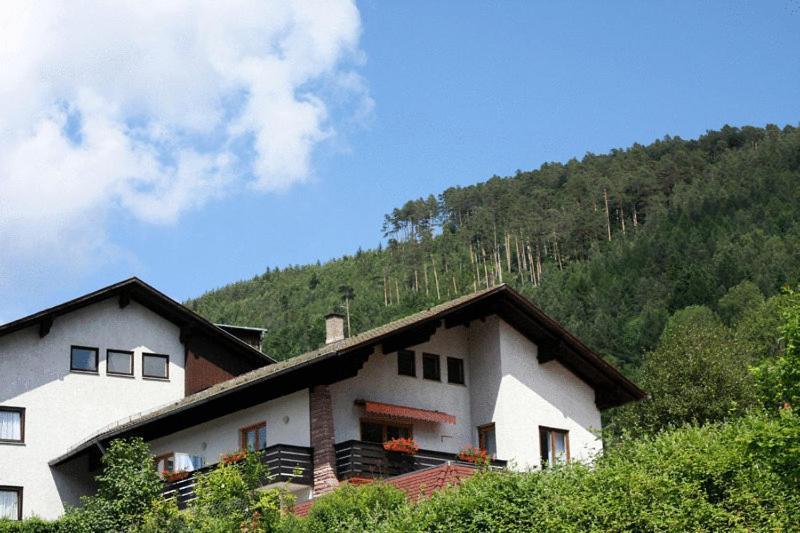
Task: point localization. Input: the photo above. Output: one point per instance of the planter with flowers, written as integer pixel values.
(234, 457)
(172, 477)
(474, 455)
(401, 445)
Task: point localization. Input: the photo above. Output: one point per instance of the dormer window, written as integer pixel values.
(83, 359)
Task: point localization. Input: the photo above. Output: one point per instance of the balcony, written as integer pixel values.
(355, 458)
(286, 464)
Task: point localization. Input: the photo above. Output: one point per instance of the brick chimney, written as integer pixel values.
(323, 440)
(334, 327)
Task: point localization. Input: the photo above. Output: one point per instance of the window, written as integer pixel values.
(254, 437)
(155, 365)
(12, 424)
(83, 359)
(380, 432)
(455, 370)
(119, 362)
(165, 463)
(487, 439)
(554, 446)
(10, 503)
(430, 367)
(406, 364)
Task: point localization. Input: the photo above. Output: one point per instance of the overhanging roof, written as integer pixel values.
(154, 300)
(343, 359)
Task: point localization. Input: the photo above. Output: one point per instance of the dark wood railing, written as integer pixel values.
(368, 459)
(286, 463)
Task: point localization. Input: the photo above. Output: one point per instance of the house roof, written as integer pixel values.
(158, 302)
(339, 360)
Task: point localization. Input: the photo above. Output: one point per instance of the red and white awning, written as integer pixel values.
(407, 413)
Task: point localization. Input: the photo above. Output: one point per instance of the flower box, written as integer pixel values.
(406, 446)
(172, 477)
(234, 457)
(474, 455)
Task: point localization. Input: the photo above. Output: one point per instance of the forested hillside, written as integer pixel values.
(611, 245)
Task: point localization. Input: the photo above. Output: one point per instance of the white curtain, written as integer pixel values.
(183, 463)
(8, 504)
(10, 425)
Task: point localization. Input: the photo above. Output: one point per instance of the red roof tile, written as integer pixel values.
(416, 485)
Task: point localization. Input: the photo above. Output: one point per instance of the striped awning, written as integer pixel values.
(407, 413)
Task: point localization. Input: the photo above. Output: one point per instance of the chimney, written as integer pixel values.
(334, 327)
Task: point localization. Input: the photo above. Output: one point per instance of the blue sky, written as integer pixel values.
(426, 95)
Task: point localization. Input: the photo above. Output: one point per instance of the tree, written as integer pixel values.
(697, 374)
(779, 378)
(126, 488)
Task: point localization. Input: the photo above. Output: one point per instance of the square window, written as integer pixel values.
(254, 437)
(83, 359)
(12, 424)
(155, 365)
(455, 370)
(119, 362)
(10, 503)
(406, 364)
(430, 367)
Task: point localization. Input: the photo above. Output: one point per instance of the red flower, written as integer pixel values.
(234, 457)
(172, 477)
(474, 455)
(401, 445)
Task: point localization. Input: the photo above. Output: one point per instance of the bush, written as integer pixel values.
(352, 508)
(30, 525)
(739, 476)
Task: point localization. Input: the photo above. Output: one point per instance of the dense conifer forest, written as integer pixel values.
(611, 245)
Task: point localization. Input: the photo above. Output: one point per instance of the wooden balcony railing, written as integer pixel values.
(286, 463)
(368, 459)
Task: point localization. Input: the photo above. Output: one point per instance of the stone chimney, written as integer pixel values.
(334, 327)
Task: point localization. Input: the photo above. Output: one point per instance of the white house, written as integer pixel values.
(488, 369)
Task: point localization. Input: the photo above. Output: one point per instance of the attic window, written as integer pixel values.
(83, 359)
(155, 365)
(431, 367)
(405, 363)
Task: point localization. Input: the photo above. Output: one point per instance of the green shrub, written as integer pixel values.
(30, 525)
(352, 508)
(127, 487)
(739, 476)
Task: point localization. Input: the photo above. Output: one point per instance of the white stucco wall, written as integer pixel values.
(287, 421)
(62, 407)
(378, 381)
(532, 395)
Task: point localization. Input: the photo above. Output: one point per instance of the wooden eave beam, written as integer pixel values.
(124, 299)
(45, 324)
(411, 337)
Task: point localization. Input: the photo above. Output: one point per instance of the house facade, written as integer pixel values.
(487, 370)
(68, 371)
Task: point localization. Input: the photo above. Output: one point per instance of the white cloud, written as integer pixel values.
(145, 107)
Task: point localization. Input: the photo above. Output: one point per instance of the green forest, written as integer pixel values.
(611, 245)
